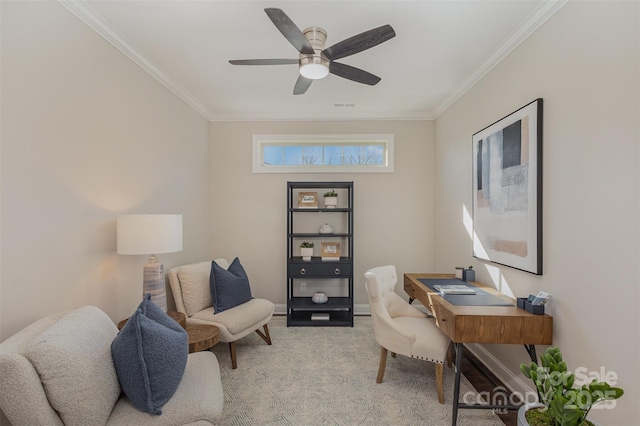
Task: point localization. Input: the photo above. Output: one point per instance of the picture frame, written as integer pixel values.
(330, 249)
(507, 190)
(307, 200)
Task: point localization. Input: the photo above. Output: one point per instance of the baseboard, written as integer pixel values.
(513, 383)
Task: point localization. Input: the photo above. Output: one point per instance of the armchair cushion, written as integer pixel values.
(240, 320)
(73, 360)
(229, 287)
(150, 355)
(194, 282)
(198, 397)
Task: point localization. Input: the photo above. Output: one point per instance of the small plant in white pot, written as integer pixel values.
(331, 199)
(561, 404)
(306, 250)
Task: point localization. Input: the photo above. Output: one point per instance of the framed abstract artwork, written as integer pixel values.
(507, 190)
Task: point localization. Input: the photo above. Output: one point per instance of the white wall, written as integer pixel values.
(584, 62)
(393, 211)
(86, 135)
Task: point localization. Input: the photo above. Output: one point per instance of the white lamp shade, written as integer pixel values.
(149, 233)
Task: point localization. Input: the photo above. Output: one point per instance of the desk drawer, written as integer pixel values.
(446, 320)
(320, 270)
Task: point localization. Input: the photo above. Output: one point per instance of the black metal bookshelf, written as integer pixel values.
(301, 310)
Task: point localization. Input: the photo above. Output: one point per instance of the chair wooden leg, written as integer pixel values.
(266, 337)
(232, 349)
(439, 384)
(383, 363)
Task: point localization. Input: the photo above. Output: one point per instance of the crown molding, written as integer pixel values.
(100, 25)
(538, 17)
(323, 117)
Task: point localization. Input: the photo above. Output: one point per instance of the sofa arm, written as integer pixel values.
(199, 397)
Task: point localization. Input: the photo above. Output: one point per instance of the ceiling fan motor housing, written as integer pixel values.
(314, 66)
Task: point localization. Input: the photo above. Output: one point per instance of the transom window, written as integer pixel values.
(322, 153)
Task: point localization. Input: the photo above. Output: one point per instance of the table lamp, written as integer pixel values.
(150, 234)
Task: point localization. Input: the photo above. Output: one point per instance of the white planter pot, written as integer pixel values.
(306, 253)
(330, 202)
(522, 421)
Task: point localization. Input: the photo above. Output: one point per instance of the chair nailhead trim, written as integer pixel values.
(428, 359)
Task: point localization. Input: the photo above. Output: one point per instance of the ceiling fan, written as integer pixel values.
(315, 61)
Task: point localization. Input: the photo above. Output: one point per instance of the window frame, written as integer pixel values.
(261, 140)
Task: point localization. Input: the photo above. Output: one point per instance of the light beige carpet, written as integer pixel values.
(327, 376)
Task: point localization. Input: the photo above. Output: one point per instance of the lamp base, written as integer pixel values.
(153, 283)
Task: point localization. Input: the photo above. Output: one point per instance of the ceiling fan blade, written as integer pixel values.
(263, 61)
(289, 30)
(360, 42)
(353, 74)
(302, 84)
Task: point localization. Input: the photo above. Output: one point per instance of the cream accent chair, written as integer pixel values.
(191, 292)
(401, 328)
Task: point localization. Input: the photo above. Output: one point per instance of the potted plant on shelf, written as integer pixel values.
(561, 404)
(306, 250)
(331, 199)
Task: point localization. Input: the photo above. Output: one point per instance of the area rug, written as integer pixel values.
(327, 376)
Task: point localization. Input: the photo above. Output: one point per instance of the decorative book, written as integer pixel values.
(454, 289)
(319, 316)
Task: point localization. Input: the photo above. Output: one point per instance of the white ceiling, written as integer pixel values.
(440, 50)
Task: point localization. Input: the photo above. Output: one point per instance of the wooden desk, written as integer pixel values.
(480, 324)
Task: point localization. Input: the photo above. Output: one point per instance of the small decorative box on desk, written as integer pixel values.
(523, 303)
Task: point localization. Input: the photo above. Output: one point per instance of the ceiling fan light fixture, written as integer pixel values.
(314, 71)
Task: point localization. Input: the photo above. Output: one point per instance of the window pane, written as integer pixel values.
(322, 153)
(292, 155)
(311, 155)
(273, 155)
(376, 154)
(332, 154)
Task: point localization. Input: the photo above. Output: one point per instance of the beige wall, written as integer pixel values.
(393, 211)
(584, 63)
(86, 135)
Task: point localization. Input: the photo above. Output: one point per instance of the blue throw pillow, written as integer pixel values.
(150, 355)
(229, 287)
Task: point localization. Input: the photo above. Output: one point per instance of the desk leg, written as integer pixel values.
(456, 387)
(531, 350)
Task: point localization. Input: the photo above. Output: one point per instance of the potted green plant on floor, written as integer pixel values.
(306, 250)
(561, 404)
(331, 199)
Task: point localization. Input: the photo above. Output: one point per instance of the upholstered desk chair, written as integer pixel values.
(401, 328)
(191, 292)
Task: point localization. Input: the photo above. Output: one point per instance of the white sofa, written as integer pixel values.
(59, 370)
